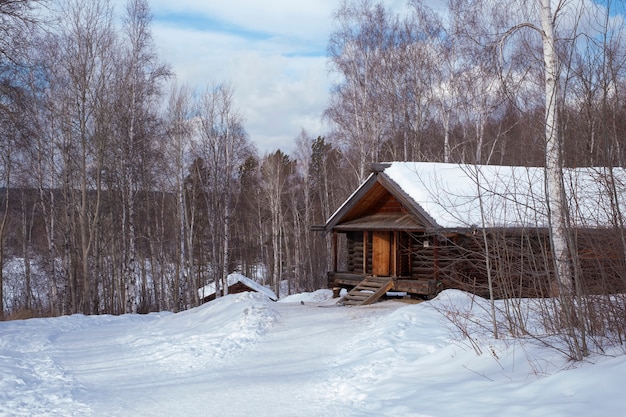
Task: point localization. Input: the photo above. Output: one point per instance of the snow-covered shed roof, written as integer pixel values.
(459, 196)
(234, 278)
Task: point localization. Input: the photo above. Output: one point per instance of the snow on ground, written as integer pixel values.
(244, 355)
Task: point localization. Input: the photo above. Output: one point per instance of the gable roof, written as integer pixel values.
(234, 278)
(440, 195)
(376, 188)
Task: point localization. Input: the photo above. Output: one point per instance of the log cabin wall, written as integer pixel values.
(355, 250)
(520, 263)
(520, 259)
(417, 255)
(602, 260)
(422, 257)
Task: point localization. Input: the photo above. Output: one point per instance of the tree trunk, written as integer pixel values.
(555, 189)
(3, 223)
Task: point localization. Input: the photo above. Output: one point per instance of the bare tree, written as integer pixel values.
(178, 116)
(555, 190)
(6, 148)
(17, 20)
(139, 83)
(223, 147)
(277, 169)
(542, 18)
(356, 49)
(85, 40)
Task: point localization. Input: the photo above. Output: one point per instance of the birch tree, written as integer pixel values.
(178, 116)
(139, 82)
(555, 189)
(16, 20)
(6, 148)
(86, 39)
(223, 146)
(356, 51)
(45, 157)
(276, 169)
(562, 246)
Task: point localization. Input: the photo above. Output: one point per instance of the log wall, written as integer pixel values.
(520, 263)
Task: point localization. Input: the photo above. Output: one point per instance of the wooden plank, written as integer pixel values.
(380, 280)
(334, 252)
(394, 257)
(347, 279)
(360, 298)
(417, 286)
(381, 291)
(368, 291)
(364, 252)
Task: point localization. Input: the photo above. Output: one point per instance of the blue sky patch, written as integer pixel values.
(210, 24)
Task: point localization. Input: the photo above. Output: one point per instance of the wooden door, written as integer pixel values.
(381, 253)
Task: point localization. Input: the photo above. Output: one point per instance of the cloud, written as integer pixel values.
(273, 53)
(278, 90)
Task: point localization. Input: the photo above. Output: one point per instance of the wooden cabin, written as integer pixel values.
(417, 228)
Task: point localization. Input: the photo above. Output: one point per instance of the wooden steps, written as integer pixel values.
(367, 291)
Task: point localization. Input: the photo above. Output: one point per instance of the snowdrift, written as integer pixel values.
(245, 355)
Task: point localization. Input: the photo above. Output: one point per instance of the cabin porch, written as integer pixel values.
(413, 286)
(412, 260)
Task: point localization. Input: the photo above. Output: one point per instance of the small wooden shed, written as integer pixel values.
(237, 283)
(421, 227)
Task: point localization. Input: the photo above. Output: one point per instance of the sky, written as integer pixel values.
(273, 54)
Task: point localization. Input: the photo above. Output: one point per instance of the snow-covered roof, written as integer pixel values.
(453, 194)
(233, 279)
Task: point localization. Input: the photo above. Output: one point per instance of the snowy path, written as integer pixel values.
(272, 359)
(247, 356)
(280, 374)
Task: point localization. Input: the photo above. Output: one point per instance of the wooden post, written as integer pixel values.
(365, 241)
(410, 260)
(394, 251)
(334, 251)
(436, 256)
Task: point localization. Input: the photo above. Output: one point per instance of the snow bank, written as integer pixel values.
(215, 330)
(319, 296)
(244, 355)
(416, 361)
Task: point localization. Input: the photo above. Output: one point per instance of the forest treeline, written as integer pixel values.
(123, 191)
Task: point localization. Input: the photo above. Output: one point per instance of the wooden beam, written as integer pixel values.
(414, 286)
(436, 256)
(365, 242)
(334, 251)
(394, 255)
